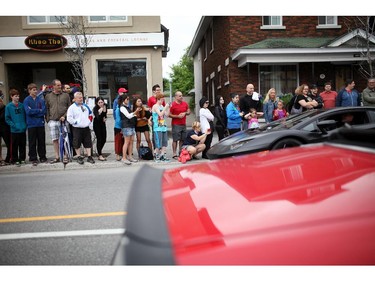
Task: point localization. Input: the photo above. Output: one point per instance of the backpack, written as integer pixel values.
(145, 153)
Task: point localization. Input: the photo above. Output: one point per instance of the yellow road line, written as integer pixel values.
(63, 217)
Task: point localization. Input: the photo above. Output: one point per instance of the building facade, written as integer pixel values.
(118, 51)
(279, 52)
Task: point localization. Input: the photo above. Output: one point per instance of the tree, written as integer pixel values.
(364, 27)
(75, 52)
(182, 75)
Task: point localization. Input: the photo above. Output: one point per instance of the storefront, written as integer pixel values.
(126, 56)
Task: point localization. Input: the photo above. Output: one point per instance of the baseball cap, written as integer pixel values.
(122, 90)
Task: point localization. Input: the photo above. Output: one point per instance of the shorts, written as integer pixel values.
(142, 129)
(161, 139)
(82, 136)
(178, 132)
(54, 128)
(128, 132)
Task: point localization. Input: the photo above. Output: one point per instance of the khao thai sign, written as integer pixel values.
(46, 42)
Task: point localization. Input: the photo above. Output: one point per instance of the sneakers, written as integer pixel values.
(126, 161)
(157, 158)
(23, 162)
(80, 160)
(35, 163)
(164, 158)
(90, 160)
(18, 164)
(133, 160)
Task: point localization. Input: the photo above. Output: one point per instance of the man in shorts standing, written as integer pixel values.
(57, 104)
(178, 112)
(80, 116)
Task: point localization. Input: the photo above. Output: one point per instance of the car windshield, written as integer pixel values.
(289, 122)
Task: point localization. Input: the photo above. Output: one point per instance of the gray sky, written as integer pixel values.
(181, 33)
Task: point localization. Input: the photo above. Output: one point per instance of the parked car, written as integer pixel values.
(308, 205)
(308, 127)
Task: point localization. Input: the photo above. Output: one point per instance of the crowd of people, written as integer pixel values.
(64, 112)
(61, 107)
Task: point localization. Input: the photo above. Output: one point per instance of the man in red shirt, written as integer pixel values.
(152, 100)
(178, 111)
(328, 96)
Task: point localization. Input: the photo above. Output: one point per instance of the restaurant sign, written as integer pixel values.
(46, 42)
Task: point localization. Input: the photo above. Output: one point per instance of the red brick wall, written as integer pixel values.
(234, 32)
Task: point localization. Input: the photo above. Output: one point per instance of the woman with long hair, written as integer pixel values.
(128, 121)
(142, 125)
(221, 117)
(99, 124)
(269, 105)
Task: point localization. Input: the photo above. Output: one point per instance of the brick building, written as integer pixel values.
(276, 51)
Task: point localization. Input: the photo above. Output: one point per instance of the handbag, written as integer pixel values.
(295, 110)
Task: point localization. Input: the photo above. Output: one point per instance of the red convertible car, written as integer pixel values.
(309, 205)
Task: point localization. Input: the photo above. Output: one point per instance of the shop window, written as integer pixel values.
(115, 74)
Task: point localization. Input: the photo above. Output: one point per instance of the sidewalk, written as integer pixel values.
(108, 152)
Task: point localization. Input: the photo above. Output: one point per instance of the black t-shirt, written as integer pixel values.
(299, 98)
(188, 140)
(247, 102)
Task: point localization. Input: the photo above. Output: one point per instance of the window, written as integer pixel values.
(281, 77)
(227, 71)
(114, 74)
(218, 81)
(272, 22)
(210, 39)
(328, 22)
(108, 18)
(46, 19)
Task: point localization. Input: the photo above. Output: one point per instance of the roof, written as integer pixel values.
(296, 42)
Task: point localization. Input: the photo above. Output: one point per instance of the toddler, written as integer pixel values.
(280, 111)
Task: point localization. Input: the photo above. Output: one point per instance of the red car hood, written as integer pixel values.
(306, 205)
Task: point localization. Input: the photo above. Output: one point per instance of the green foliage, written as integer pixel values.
(286, 98)
(182, 75)
(192, 103)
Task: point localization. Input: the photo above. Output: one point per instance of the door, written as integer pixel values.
(343, 72)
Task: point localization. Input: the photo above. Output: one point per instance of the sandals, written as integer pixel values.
(101, 158)
(65, 160)
(175, 157)
(53, 161)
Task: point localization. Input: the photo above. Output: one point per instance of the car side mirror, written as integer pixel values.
(326, 125)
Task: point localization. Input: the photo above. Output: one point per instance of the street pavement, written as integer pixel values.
(108, 152)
